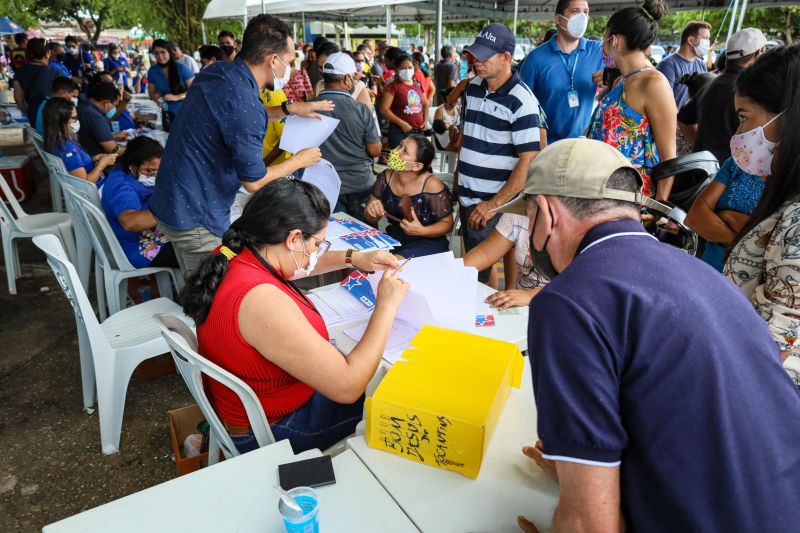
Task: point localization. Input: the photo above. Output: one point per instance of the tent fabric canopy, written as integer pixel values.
(405, 11)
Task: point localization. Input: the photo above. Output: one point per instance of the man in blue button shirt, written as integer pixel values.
(661, 401)
(563, 72)
(215, 145)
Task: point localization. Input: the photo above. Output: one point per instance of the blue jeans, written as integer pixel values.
(319, 423)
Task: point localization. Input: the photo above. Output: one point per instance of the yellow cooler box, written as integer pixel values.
(440, 406)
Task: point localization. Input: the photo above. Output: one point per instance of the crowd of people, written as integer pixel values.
(658, 379)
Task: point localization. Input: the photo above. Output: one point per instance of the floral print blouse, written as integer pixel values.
(765, 264)
(617, 124)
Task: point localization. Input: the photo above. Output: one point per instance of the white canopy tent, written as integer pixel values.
(441, 11)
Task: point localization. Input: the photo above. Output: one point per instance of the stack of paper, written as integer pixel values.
(443, 292)
(338, 307)
(441, 405)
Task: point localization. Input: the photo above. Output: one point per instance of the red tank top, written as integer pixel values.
(221, 342)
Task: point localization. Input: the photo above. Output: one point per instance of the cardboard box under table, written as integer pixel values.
(182, 423)
(441, 405)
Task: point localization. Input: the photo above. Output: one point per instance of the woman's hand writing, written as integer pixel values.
(391, 290)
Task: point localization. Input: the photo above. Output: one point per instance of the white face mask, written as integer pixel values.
(74, 100)
(279, 83)
(299, 272)
(576, 25)
(76, 126)
(702, 49)
(753, 152)
(406, 74)
(144, 179)
(72, 51)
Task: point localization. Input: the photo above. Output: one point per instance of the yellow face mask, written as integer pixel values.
(394, 162)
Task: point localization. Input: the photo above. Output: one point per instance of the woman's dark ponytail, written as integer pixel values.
(276, 209)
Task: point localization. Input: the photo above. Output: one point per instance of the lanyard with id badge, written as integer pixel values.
(572, 95)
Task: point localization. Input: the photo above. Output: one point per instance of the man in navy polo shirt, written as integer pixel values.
(501, 136)
(215, 145)
(662, 404)
(95, 135)
(563, 72)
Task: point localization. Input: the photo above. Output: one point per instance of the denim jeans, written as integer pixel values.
(320, 423)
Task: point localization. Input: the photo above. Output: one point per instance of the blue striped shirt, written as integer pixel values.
(498, 126)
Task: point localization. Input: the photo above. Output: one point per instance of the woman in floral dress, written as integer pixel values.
(638, 115)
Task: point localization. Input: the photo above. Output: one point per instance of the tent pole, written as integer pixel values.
(303, 22)
(516, 10)
(346, 35)
(294, 31)
(244, 19)
(733, 18)
(741, 15)
(203, 30)
(388, 25)
(263, 8)
(439, 30)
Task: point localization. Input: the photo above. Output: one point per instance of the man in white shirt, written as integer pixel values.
(189, 61)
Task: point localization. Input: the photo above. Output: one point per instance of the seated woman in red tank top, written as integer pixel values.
(254, 322)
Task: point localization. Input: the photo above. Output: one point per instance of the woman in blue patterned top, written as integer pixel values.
(723, 209)
(416, 202)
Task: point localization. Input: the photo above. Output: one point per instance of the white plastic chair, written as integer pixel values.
(115, 267)
(182, 343)
(15, 224)
(88, 190)
(50, 164)
(111, 350)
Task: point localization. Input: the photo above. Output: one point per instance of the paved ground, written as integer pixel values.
(51, 466)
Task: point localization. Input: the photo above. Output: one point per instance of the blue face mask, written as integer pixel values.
(111, 112)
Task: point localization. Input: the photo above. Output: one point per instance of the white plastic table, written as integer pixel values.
(509, 484)
(236, 495)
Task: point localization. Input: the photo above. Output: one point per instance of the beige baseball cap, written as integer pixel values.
(578, 168)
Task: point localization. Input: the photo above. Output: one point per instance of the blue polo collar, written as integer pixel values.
(625, 225)
(241, 65)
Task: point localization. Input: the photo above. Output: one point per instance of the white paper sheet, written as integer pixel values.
(337, 306)
(442, 292)
(300, 132)
(325, 177)
(399, 338)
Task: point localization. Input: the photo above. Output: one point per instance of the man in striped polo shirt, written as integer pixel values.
(501, 136)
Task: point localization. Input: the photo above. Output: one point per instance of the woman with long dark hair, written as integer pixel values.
(168, 80)
(637, 116)
(61, 125)
(764, 259)
(126, 202)
(254, 322)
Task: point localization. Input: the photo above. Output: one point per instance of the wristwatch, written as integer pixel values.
(285, 107)
(348, 257)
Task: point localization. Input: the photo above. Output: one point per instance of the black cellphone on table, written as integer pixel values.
(313, 472)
